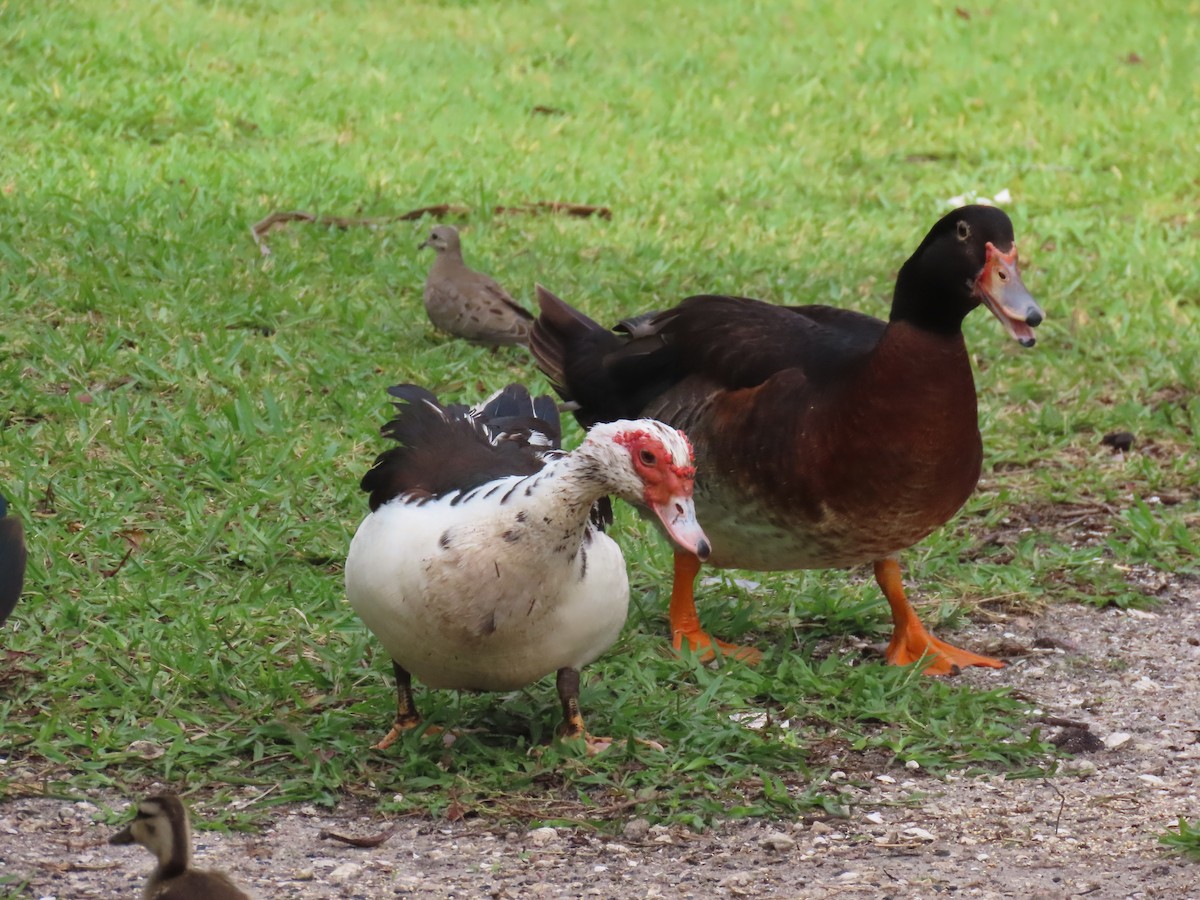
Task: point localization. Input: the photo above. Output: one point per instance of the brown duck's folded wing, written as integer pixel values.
(714, 342)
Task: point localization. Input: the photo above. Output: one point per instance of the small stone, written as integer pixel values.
(819, 828)
(918, 834)
(885, 779)
(736, 880)
(778, 842)
(1119, 441)
(1152, 780)
(1081, 767)
(848, 877)
(837, 775)
(1117, 739)
(540, 837)
(912, 764)
(146, 749)
(636, 829)
(345, 872)
(874, 818)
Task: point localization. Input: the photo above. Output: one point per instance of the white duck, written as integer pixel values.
(482, 566)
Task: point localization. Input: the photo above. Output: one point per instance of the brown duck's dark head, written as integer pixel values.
(969, 257)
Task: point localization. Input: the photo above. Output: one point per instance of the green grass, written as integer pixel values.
(1185, 840)
(163, 381)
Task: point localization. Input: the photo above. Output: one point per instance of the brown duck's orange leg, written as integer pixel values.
(910, 641)
(685, 623)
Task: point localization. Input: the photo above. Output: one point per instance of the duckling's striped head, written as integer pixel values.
(161, 826)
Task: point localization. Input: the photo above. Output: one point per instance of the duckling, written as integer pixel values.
(12, 560)
(161, 826)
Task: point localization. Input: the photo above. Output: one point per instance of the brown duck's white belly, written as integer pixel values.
(475, 602)
(747, 532)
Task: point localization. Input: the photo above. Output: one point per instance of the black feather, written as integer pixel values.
(445, 449)
(12, 560)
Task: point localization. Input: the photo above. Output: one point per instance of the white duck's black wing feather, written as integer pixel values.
(447, 449)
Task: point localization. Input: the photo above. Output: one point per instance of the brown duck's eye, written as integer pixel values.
(964, 230)
(647, 458)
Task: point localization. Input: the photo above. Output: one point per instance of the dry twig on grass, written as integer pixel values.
(278, 219)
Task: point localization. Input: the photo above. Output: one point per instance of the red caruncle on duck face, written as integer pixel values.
(668, 483)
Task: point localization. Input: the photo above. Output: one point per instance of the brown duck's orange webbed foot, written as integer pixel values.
(702, 643)
(685, 623)
(942, 658)
(911, 642)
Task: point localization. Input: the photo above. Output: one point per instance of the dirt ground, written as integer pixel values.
(1129, 680)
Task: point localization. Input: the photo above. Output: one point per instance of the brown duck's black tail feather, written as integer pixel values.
(574, 352)
(557, 333)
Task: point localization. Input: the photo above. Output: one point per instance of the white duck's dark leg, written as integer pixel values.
(568, 692)
(572, 727)
(406, 710)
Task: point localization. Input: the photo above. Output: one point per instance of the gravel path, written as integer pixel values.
(1130, 681)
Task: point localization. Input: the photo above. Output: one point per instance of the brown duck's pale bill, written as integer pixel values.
(678, 517)
(1000, 288)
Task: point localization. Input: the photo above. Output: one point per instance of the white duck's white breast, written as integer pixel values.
(482, 595)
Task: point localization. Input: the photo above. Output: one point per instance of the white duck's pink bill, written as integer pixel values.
(678, 517)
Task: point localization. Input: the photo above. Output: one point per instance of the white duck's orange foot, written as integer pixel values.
(402, 725)
(594, 745)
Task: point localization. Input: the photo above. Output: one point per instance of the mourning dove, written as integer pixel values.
(466, 303)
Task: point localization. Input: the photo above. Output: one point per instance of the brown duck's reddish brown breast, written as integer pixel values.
(794, 477)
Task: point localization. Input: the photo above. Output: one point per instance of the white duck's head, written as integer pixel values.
(650, 464)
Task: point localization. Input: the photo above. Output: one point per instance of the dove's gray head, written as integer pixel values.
(443, 238)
